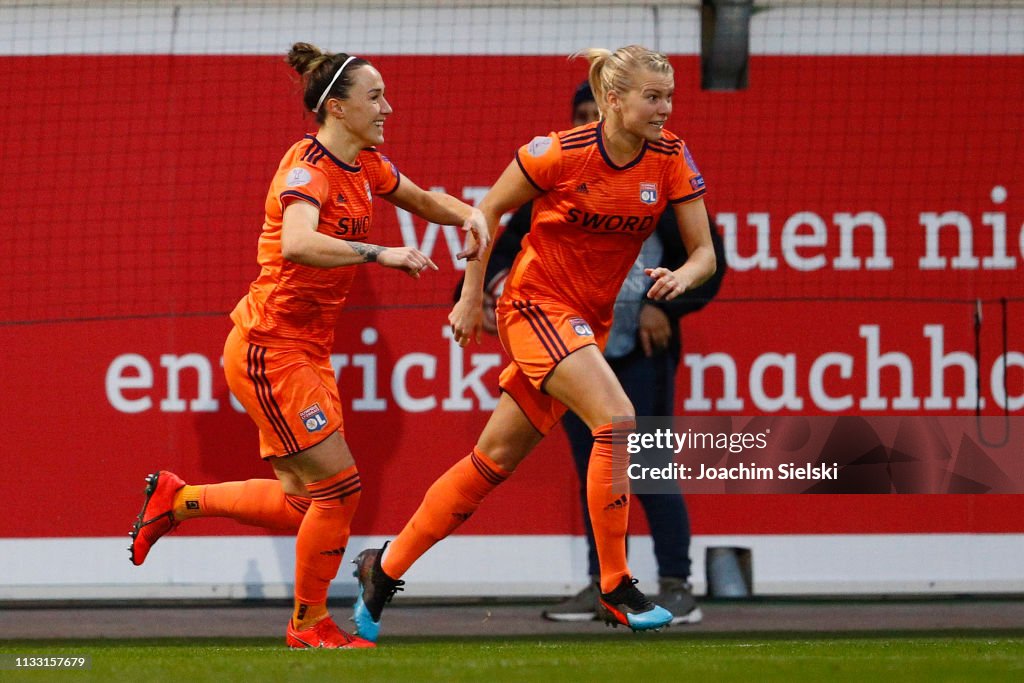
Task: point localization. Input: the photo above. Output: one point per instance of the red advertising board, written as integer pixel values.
(863, 218)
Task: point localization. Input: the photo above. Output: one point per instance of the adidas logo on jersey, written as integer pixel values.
(341, 198)
(582, 188)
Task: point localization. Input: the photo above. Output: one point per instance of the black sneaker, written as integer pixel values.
(375, 590)
(626, 605)
(676, 595)
(580, 607)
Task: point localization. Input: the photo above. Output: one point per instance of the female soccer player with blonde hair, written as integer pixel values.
(319, 213)
(598, 190)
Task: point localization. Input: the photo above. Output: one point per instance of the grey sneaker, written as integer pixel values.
(580, 607)
(676, 595)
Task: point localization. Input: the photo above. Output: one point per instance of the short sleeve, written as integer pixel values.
(303, 182)
(685, 181)
(385, 175)
(540, 160)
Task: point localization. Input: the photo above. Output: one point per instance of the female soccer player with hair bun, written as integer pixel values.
(598, 190)
(319, 218)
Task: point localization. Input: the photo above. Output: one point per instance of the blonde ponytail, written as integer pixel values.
(613, 70)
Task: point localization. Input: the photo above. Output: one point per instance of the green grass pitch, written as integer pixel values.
(616, 657)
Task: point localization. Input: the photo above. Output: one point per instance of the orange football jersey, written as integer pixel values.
(592, 216)
(295, 305)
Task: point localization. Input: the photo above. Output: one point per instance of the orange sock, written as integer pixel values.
(449, 502)
(321, 542)
(259, 502)
(608, 504)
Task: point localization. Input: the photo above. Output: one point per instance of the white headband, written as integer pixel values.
(331, 84)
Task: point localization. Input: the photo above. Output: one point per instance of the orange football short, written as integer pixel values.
(538, 335)
(290, 394)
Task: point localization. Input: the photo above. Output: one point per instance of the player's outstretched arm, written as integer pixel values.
(511, 190)
(301, 243)
(444, 209)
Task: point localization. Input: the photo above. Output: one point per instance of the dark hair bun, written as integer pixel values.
(304, 57)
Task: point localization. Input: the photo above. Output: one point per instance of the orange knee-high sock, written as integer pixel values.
(321, 542)
(259, 502)
(608, 503)
(449, 502)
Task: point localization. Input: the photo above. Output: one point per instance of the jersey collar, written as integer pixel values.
(347, 167)
(608, 160)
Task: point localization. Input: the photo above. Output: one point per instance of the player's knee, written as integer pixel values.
(619, 413)
(624, 412)
(505, 455)
(626, 424)
(293, 486)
